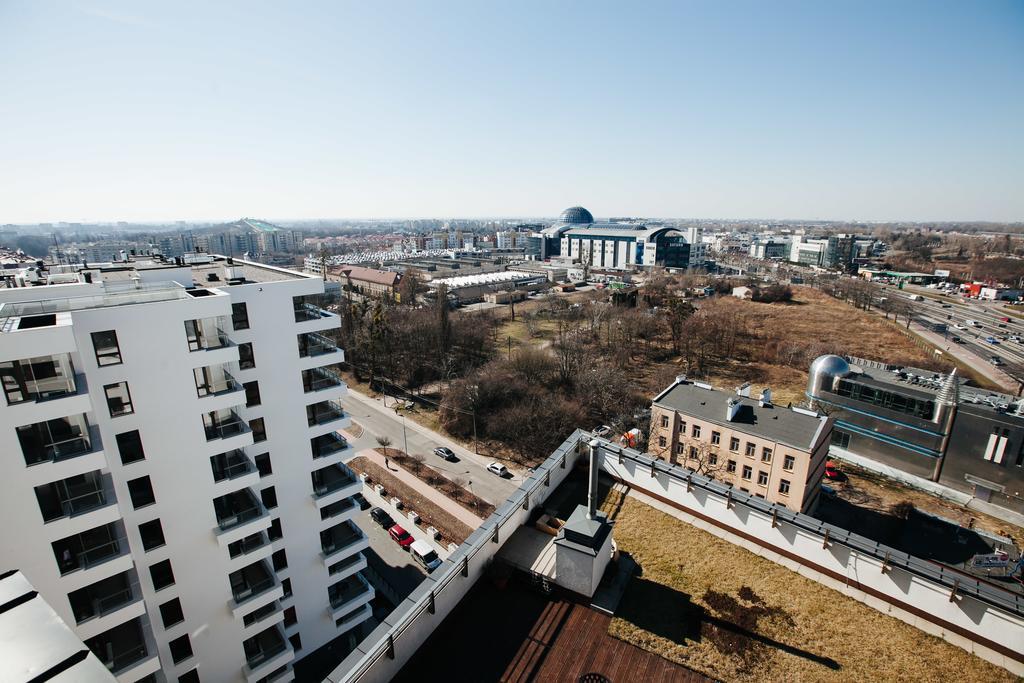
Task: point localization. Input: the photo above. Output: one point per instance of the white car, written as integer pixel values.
(498, 468)
(960, 327)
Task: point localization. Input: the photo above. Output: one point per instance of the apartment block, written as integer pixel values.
(773, 452)
(173, 480)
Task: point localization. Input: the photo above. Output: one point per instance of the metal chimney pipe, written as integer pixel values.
(592, 487)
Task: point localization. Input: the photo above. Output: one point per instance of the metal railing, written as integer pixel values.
(328, 444)
(125, 658)
(226, 429)
(104, 605)
(209, 340)
(355, 586)
(93, 556)
(235, 464)
(78, 505)
(59, 450)
(323, 412)
(237, 517)
(335, 509)
(247, 545)
(252, 590)
(266, 654)
(316, 379)
(313, 344)
(340, 540)
(338, 477)
(347, 563)
(260, 614)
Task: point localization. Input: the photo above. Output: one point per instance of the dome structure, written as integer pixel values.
(576, 215)
(824, 371)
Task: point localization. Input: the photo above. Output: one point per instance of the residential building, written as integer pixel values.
(174, 485)
(367, 281)
(925, 423)
(769, 451)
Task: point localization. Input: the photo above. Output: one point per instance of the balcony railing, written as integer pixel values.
(347, 590)
(338, 538)
(307, 311)
(231, 465)
(247, 545)
(75, 505)
(312, 344)
(219, 386)
(263, 647)
(236, 508)
(331, 479)
(316, 379)
(102, 605)
(347, 563)
(226, 429)
(260, 614)
(336, 509)
(123, 658)
(58, 450)
(92, 556)
(323, 412)
(208, 340)
(120, 647)
(328, 444)
(251, 590)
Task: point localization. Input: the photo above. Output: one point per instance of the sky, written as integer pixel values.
(805, 110)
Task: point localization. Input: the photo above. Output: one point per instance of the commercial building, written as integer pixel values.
(367, 281)
(769, 249)
(927, 424)
(832, 252)
(173, 479)
(619, 245)
(766, 450)
(466, 289)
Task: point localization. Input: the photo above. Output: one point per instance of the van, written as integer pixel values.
(425, 556)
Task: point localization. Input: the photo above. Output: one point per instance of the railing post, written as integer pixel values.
(775, 518)
(430, 603)
(824, 543)
(465, 565)
(728, 500)
(494, 537)
(526, 501)
(561, 461)
(952, 593)
(885, 564)
(391, 646)
(547, 477)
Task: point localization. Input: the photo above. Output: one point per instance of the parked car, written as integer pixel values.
(382, 517)
(425, 556)
(991, 340)
(832, 472)
(947, 305)
(960, 327)
(602, 431)
(361, 501)
(1014, 338)
(956, 340)
(445, 453)
(498, 468)
(995, 360)
(401, 536)
(1004, 320)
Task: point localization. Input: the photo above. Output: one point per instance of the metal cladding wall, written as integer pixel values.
(979, 617)
(965, 461)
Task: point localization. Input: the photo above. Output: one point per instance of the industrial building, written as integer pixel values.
(367, 281)
(466, 289)
(174, 485)
(620, 246)
(772, 452)
(930, 425)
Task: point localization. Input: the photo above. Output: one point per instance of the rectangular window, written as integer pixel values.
(679, 449)
(252, 394)
(296, 642)
(275, 532)
(269, 497)
(840, 438)
(788, 462)
(129, 445)
(280, 560)
(263, 464)
(189, 677)
(108, 352)
(245, 357)
(259, 430)
(712, 458)
(693, 453)
(751, 448)
(748, 471)
(239, 316)
(762, 478)
(682, 428)
(290, 618)
(784, 487)
(286, 585)
(734, 444)
(696, 431)
(662, 442)
(171, 613)
(664, 421)
(181, 648)
(716, 438)
(766, 455)
(141, 492)
(730, 466)
(162, 575)
(119, 400)
(152, 534)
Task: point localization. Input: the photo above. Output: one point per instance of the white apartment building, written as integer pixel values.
(172, 475)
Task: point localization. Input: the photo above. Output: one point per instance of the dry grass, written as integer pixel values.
(436, 480)
(698, 592)
(430, 514)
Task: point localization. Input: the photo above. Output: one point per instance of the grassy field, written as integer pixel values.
(719, 609)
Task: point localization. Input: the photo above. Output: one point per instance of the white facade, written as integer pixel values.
(91, 516)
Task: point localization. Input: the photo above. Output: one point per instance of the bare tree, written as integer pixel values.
(384, 441)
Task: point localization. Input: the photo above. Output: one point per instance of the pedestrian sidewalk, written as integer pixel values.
(444, 502)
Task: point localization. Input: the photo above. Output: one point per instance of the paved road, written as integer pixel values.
(388, 559)
(377, 420)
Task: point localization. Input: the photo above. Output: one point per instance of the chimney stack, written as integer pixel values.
(766, 397)
(731, 408)
(592, 477)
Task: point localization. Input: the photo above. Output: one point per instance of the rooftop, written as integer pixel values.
(380, 277)
(793, 427)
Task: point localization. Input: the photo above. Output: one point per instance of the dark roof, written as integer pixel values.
(379, 277)
(772, 422)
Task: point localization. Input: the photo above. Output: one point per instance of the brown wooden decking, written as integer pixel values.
(570, 640)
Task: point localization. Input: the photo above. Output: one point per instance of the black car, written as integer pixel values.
(382, 518)
(956, 340)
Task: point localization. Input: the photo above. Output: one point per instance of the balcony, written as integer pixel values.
(252, 587)
(123, 648)
(309, 317)
(341, 511)
(317, 380)
(332, 483)
(347, 567)
(249, 549)
(349, 594)
(327, 444)
(209, 343)
(83, 501)
(270, 613)
(324, 412)
(55, 440)
(99, 547)
(43, 388)
(265, 653)
(232, 465)
(226, 431)
(340, 540)
(239, 515)
(94, 606)
(312, 345)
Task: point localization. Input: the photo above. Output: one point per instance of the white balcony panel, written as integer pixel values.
(96, 626)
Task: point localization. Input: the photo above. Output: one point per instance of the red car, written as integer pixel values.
(831, 472)
(401, 536)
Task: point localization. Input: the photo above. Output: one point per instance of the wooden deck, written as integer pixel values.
(570, 640)
(516, 634)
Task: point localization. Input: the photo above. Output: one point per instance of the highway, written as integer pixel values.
(377, 420)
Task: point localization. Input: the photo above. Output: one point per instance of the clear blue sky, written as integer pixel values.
(179, 110)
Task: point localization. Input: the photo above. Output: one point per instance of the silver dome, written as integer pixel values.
(824, 371)
(576, 214)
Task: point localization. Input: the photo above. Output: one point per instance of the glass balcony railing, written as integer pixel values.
(263, 647)
(324, 412)
(55, 440)
(312, 344)
(247, 545)
(251, 581)
(260, 614)
(317, 379)
(120, 647)
(71, 559)
(328, 444)
(237, 508)
(347, 590)
(336, 509)
(63, 499)
(216, 387)
(330, 479)
(343, 565)
(226, 428)
(231, 465)
(339, 537)
(87, 604)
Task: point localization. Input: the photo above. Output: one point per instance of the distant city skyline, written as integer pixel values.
(208, 112)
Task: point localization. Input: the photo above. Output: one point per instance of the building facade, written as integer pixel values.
(766, 450)
(174, 485)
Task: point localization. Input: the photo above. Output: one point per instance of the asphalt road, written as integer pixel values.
(388, 559)
(377, 420)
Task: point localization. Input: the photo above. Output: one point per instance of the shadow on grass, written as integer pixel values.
(670, 614)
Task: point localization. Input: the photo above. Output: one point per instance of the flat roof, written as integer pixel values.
(772, 422)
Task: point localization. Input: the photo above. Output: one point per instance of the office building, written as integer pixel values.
(173, 478)
(766, 450)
